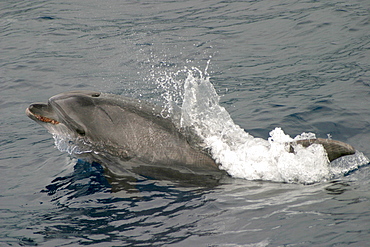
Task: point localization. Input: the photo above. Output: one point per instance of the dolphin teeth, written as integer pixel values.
(46, 119)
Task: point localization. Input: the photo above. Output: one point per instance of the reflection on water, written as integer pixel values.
(145, 211)
(90, 213)
(86, 179)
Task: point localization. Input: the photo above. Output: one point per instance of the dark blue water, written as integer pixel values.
(298, 65)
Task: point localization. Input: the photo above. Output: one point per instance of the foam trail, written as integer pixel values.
(239, 153)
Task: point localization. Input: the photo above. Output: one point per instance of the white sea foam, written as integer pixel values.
(71, 145)
(67, 141)
(244, 156)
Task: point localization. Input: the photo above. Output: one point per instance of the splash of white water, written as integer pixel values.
(72, 146)
(66, 141)
(239, 153)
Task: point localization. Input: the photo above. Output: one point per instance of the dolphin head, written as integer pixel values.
(119, 125)
(64, 113)
(87, 121)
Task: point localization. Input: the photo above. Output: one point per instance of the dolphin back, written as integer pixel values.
(334, 149)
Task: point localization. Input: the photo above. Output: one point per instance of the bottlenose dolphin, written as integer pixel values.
(130, 129)
(136, 131)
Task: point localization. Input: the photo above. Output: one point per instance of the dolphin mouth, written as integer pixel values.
(56, 111)
(42, 113)
(49, 115)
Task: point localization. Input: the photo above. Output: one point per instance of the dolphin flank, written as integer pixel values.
(136, 131)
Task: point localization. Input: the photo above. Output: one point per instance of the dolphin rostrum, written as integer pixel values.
(136, 131)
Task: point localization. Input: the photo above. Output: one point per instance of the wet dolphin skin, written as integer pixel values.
(136, 131)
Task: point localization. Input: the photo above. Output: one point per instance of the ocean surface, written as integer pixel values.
(270, 68)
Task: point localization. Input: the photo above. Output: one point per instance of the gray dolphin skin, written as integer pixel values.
(130, 129)
(135, 131)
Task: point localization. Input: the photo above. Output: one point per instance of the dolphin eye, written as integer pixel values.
(80, 132)
(95, 95)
